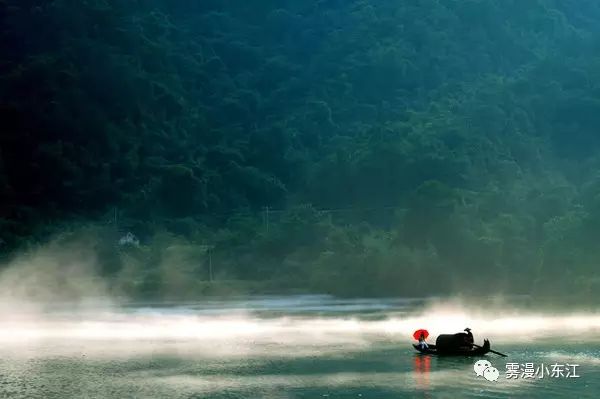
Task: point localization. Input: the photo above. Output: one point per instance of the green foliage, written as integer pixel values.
(403, 147)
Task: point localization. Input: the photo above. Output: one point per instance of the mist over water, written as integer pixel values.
(274, 325)
(278, 347)
(63, 333)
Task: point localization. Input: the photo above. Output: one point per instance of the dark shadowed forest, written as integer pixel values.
(359, 148)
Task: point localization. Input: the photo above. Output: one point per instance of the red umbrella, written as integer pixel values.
(417, 334)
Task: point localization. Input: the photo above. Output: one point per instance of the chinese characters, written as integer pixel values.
(532, 371)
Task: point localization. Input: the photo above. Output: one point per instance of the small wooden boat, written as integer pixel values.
(456, 351)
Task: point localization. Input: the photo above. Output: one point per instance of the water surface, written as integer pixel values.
(287, 347)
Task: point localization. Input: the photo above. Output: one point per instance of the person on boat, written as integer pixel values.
(422, 343)
(468, 339)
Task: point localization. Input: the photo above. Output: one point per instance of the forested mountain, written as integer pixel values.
(401, 147)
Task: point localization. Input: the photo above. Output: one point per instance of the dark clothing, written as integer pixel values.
(470, 336)
(469, 340)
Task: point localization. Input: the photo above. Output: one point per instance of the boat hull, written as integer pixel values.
(433, 350)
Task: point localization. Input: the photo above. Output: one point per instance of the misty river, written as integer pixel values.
(291, 347)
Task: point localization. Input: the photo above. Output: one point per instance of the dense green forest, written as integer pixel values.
(352, 147)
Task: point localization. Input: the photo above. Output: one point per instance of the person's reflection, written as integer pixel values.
(422, 367)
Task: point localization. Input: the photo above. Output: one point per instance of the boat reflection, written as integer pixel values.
(422, 368)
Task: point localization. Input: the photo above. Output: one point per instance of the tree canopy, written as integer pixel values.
(408, 147)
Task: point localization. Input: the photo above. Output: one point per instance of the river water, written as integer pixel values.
(292, 347)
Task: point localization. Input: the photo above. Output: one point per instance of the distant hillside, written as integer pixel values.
(402, 147)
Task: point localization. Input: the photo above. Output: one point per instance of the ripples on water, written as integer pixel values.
(305, 346)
